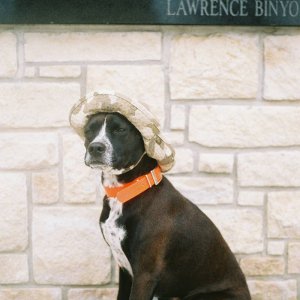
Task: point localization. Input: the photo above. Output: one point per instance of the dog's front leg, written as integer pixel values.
(125, 283)
(143, 287)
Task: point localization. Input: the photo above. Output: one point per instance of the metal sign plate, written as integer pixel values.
(153, 12)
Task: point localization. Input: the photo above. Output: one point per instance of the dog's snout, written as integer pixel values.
(96, 148)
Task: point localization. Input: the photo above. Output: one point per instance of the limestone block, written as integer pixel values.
(92, 46)
(205, 190)
(177, 117)
(276, 247)
(214, 66)
(251, 198)
(45, 187)
(93, 294)
(244, 126)
(272, 168)
(60, 71)
(30, 72)
(283, 215)
(79, 180)
(275, 290)
(68, 247)
(14, 268)
(262, 265)
(8, 54)
(28, 150)
(143, 83)
(30, 294)
(13, 212)
(37, 104)
(215, 163)
(184, 162)
(294, 258)
(241, 228)
(282, 65)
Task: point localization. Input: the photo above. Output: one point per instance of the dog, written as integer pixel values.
(165, 245)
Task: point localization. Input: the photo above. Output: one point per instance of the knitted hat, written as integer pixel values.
(135, 112)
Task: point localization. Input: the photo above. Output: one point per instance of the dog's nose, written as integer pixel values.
(96, 148)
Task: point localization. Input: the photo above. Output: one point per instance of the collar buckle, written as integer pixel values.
(156, 181)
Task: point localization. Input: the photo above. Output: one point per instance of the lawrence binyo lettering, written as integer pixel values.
(234, 8)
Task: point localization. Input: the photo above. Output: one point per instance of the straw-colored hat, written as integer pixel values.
(135, 112)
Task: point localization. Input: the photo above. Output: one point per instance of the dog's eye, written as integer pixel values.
(87, 131)
(88, 134)
(119, 130)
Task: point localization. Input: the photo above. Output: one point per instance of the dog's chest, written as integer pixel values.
(114, 234)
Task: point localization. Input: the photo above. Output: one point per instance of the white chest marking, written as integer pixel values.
(114, 234)
(110, 180)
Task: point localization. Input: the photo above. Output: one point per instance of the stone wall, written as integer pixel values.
(228, 99)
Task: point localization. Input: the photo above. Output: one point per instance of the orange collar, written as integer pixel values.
(132, 189)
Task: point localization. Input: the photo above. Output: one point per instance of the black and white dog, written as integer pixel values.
(165, 246)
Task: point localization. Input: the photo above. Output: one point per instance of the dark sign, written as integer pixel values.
(154, 12)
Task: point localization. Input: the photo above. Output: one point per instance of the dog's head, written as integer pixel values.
(112, 143)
